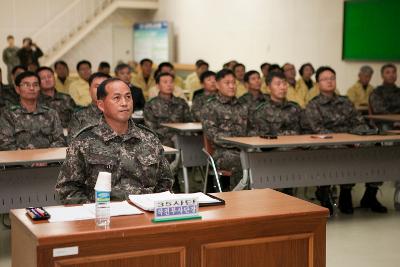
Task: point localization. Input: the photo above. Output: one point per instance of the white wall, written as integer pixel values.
(255, 31)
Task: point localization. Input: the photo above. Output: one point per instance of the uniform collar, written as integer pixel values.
(277, 104)
(21, 109)
(172, 100)
(104, 131)
(57, 95)
(226, 99)
(323, 99)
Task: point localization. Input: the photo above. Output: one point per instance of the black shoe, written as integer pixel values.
(288, 191)
(345, 201)
(328, 205)
(323, 195)
(370, 201)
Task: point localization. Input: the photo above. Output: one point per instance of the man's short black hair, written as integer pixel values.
(27, 39)
(275, 74)
(101, 90)
(97, 75)
(14, 70)
(162, 74)
(104, 64)
(387, 66)
(200, 63)
(24, 75)
(83, 62)
(301, 70)
(321, 70)
(122, 66)
(44, 68)
(61, 62)
(275, 67)
(165, 64)
(247, 75)
(145, 60)
(237, 66)
(10, 37)
(206, 74)
(224, 72)
(264, 64)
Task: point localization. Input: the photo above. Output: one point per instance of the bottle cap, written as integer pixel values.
(103, 182)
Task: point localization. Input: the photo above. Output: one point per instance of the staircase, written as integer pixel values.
(78, 19)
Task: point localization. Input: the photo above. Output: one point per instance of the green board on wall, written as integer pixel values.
(371, 30)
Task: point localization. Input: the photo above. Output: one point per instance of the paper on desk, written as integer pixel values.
(63, 214)
(117, 208)
(146, 201)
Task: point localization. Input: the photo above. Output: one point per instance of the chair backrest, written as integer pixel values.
(207, 145)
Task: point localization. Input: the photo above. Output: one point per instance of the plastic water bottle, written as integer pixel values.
(102, 209)
(103, 192)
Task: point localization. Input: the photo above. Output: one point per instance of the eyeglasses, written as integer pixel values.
(28, 85)
(328, 79)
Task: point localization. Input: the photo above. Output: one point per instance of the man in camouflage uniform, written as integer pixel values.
(62, 103)
(29, 125)
(165, 108)
(9, 96)
(330, 113)
(276, 115)
(89, 115)
(200, 97)
(254, 97)
(385, 99)
(131, 153)
(224, 116)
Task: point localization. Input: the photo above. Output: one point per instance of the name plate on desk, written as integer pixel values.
(176, 209)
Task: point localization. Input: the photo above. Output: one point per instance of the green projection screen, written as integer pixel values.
(371, 30)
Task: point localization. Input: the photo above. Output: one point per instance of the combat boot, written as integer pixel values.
(370, 201)
(345, 201)
(323, 195)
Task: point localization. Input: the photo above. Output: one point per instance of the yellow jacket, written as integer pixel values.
(63, 87)
(192, 82)
(139, 81)
(79, 91)
(265, 88)
(178, 92)
(358, 95)
(240, 89)
(178, 81)
(296, 94)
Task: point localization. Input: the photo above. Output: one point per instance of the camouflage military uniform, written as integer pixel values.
(136, 162)
(335, 114)
(62, 103)
(159, 110)
(20, 129)
(199, 100)
(87, 116)
(273, 118)
(8, 96)
(385, 100)
(252, 103)
(225, 117)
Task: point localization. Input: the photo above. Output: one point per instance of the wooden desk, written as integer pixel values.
(256, 228)
(190, 144)
(298, 164)
(33, 186)
(387, 118)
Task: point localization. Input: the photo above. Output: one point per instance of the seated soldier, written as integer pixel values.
(89, 115)
(62, 103)
(124, 72)
(79, 89)
(8, 94)
(360, 91)
(254, 96)
(144, 79)
(131, 153)
(239, 70)
(201, 96)
(224, 116)
(165, 108)
(331, 113)
(29, 125)
(167, 67)
(63, 79)
(192, 81)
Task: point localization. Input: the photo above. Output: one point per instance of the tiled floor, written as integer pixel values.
(363, 239)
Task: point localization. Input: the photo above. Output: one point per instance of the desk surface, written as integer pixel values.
(184, 127)
(389, 117)
(48, 155)
(308, 140)
(249, 205)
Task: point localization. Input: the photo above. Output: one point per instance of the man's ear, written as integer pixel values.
(100, 105)
(18, 90)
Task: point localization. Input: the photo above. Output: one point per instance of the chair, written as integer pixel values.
(208, 150)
